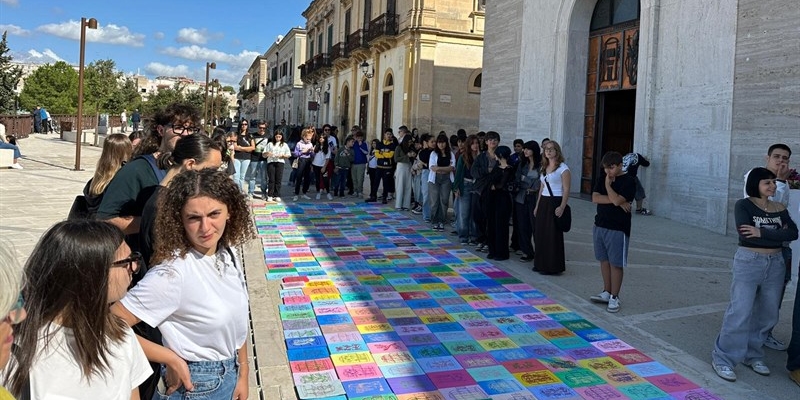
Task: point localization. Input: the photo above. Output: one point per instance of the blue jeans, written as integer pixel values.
(755, 295)
(17, 154)
(416, 187)
(254, 172)
(466, 224)
(426, 203)
(240, 176)
(341, 180)
(212, 380)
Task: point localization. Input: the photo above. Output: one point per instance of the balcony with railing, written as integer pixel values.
(321, 61)
(354, 42)
(337, 51)
(384, 25)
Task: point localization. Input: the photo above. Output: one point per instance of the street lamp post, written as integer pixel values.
(209, 66)
(214, 85)
(91, 24)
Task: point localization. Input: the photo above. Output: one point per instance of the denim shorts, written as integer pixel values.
(213, 380)
(610, 245)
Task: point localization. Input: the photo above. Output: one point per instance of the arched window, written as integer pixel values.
(612, 12)
(365, 85)
(389, 81)
(475, 81)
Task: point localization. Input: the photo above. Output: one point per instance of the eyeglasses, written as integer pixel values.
(184, 130)
(17, 313)
(262, 127)
(129, 262)
(549, 149)
(492, 140)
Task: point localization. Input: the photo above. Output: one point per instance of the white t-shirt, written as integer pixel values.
(320, 157)
(280, 152)
(56, 376)
(433, 161)
(200, 310)
(554, 178)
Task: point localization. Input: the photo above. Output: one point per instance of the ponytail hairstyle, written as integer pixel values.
(117, 150)
(197, 147)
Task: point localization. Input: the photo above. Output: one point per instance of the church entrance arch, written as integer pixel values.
(611, 78)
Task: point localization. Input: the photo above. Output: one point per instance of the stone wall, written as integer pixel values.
(766, 95)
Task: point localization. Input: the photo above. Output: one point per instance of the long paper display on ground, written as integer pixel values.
(377, 306)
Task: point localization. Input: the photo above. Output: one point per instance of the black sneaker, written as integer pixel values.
(384, 201)
(526, 258)
(371, 200)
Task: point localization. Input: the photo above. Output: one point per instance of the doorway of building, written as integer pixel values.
(386, 114)
(611, 77)
(362, 112)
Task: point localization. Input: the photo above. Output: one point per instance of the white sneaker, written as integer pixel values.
(294, 198)
(330, 197)
(318, 196)
(305, 197)
(725, 372)
(775, 344)
(759, 367)
(613, 304)
(601, 298)
(16, 166)
(277, 199)
(269, 199)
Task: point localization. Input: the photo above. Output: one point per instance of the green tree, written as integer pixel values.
(124, 97)
(161, 99)
(102, 83)
(9, 78)
(55, 87)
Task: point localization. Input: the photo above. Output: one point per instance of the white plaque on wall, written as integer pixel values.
(444, 98)
(425, 97)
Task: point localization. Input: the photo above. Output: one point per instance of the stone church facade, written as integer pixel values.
(700, 87)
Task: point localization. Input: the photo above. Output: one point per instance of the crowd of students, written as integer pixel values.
(90, 323)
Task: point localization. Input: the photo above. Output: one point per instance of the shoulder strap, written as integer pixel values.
(548, 186)
(160, 173)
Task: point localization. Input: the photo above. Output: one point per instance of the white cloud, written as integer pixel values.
(45, 56)
(226, 77)
(158, 35)
(52, 54)
(14, 30)
(12, 3)
(192, 36)
(197, 53)
(112, 34)
(159, 69)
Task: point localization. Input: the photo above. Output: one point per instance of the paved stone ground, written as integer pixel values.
(675, 292)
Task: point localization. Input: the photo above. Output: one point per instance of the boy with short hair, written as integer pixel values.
(613, 195)
(343, 162)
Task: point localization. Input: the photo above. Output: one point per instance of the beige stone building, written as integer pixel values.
(284, 89)
(386, 63)
(701, 88)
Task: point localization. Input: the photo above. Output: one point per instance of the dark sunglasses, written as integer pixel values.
(129, 262)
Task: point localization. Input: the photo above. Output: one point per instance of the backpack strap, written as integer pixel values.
(160, 173)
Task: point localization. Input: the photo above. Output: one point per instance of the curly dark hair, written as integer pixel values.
(170, 235)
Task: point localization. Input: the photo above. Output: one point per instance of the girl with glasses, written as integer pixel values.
(196, 294)
(547, 236)
(70, 345)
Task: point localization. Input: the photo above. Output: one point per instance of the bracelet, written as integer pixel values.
(781, 180)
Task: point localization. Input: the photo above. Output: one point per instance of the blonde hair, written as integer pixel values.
(559, 155)
(11, 279)
(117, 150)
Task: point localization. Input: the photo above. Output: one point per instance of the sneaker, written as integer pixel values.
(759, 367)
(519, 253)
(305, 197)
(269, 199)
(329, 196)
(417, 211)
(526, 258)
(603, 297)
(644, 211)
(277, 199)
(385, 201)
(389, 197)
(294, 198)
(428, 220)
(255, 196)
(16, 166)
(613, 304)
(774, 343)
(464, 242)
(472, 243)
(725, 372)
(371, 200)
(318, 196)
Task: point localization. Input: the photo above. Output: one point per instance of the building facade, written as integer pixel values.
(283, 89)
(386, 63)
(251, 98)
(701, 88)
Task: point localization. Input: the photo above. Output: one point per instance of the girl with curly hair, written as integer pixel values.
(70, 345)
(196, 293)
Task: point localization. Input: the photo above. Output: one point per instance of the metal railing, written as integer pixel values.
(354, 41)
(385, 25)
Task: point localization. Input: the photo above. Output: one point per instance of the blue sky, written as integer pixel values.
(167, 37)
